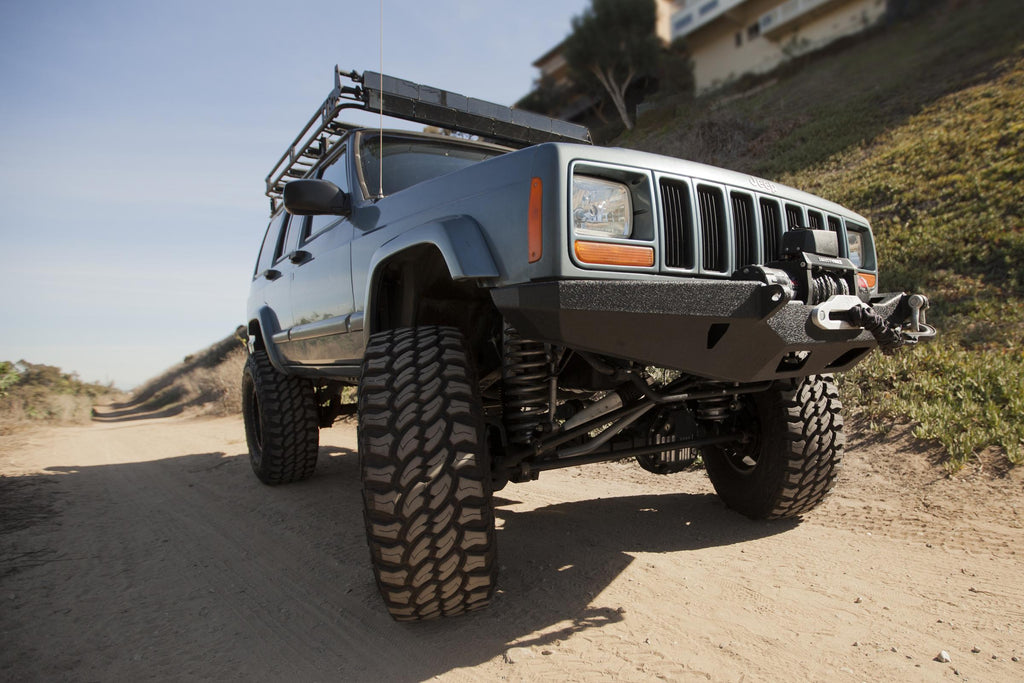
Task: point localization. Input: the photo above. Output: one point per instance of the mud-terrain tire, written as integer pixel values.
(426, 479)
(792, 462)
(281, 422)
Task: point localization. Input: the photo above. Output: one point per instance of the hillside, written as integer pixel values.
(918, 126)
(204, 383)
(33, 394)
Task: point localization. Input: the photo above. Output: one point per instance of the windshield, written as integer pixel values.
(408, 161)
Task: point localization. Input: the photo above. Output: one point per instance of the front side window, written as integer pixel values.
(337, 173)
(408, 161)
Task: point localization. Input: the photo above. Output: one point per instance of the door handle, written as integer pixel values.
(271, 274)
(299, 256)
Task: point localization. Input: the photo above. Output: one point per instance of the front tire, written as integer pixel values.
(281, 425)
(792, 462)
(426, 478)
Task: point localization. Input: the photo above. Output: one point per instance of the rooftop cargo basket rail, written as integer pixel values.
(377, 93)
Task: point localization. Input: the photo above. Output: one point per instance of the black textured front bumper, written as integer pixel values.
(720, 329)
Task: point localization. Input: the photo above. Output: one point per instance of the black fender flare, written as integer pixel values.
(458, 239)
(268, 327)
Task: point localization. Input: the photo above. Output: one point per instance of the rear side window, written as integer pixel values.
(287, 237)
(272, 241)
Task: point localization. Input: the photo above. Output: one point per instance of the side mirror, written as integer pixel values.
(316, 198)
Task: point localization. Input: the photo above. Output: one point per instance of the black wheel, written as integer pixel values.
(426, 478)
(791, 463)
(281, 425)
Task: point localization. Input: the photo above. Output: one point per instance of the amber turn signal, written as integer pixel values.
(535, 232)
(600, 253)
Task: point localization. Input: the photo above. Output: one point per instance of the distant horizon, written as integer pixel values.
(140, 134)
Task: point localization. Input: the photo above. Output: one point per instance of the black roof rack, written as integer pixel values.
(410, 101)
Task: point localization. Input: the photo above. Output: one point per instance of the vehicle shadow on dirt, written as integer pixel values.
(189, 531)
(557, 560)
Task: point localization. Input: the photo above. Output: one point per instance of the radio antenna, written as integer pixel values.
(380, 164)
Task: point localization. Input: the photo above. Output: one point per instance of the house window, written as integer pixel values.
(739, 38)
(753, 31)
(709, 7)
(682, 23)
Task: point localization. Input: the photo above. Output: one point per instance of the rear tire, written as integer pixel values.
(281, 422)
(792, 463)
(426, 477)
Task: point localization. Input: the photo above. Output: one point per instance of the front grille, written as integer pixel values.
(712, 228)
(771, 229)
(744, 229)
(675, 198)
(708, 234)
(794, 217)
(815, 221)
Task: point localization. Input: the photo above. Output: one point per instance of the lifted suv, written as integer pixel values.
(535, 302)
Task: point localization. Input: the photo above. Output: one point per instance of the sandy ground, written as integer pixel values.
(146, 549)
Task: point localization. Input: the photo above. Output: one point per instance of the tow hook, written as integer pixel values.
(849, 313)
(918, 304)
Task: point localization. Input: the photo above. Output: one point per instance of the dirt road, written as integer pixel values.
(138, 550)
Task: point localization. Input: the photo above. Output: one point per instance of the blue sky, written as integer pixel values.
(135, 137)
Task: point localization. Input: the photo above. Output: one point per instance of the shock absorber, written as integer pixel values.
(526, 377)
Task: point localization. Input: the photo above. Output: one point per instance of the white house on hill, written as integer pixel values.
(729, 38)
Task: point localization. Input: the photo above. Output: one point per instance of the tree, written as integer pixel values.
(612, 44)
(675, 69)
(545, 98)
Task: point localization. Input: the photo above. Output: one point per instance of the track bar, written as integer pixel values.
(605, 456)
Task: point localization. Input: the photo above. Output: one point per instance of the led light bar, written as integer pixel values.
(434, 107)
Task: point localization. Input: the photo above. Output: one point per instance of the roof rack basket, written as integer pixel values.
(410, 101)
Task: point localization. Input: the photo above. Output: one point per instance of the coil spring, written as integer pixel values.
(525, 377)
(715, 409)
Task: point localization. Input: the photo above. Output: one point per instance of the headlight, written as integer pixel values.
(601, 208)
(855, 242)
